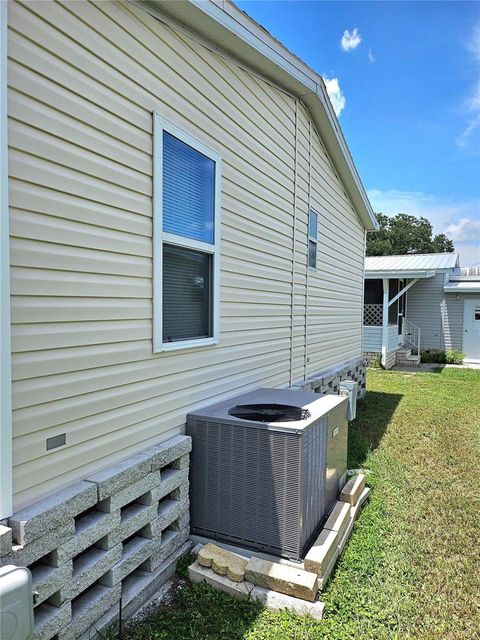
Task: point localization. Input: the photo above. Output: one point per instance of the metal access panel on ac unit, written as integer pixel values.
(260, 485)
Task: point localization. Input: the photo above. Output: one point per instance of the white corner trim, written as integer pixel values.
(6, 494)
(161, 124)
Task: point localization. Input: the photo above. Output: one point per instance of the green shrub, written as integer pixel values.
(433, 356)
(454, 357)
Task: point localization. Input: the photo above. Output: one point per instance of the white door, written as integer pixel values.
(471, 330)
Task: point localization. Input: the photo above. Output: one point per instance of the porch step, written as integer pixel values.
(405, 357)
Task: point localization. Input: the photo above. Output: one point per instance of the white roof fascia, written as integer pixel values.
(221, 23)
(372, 275)
(462, 287)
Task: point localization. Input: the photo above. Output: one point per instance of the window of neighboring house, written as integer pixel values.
(312, 239)
(186, 240)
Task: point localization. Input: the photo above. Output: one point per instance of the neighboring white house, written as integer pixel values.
(183, 222)
(419, 302)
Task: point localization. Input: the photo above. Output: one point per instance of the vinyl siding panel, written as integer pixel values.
(372, 339)
(424, 309)
(453, 322)
(84, 79)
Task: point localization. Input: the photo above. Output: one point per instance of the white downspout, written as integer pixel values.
(6, 495)
(385, 321)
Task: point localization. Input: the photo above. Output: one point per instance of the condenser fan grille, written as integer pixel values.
(269, 412)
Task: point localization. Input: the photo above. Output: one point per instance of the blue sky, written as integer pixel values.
(406, 86)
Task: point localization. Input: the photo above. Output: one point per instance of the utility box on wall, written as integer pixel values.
(16, 604)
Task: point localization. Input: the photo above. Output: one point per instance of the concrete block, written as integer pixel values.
(282, 578)
(355, 509)
(320, 554)
(353, 489)
(171, 479)
(89, 529)
(223, 562)
(6, 540)
(89, 567)
(135, 490)
(170, 542)
(170, 510)
(343, 541)
(134, 518)
(24, 556)
(48, 580)
(46, 515)
(133, 554)
(279, 601)
(170, 450)
(126, 472)
(49, 620)
(338, 518)
(88, 608)
(247, 591)
(323, 578)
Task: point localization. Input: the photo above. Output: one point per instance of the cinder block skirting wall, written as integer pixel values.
(329, 382)
(372, 356)
(115, 535)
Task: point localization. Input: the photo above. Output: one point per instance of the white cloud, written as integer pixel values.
(465, 230)
(471, 105)
(371, 57)
(474, 44)
(459, 220)
(350, 41)
(335, 94)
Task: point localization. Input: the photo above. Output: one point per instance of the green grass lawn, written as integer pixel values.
(412, 566)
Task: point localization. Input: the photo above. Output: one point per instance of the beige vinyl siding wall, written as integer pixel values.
(424, 309)
(84, 79)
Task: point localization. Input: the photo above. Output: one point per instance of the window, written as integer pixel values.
(312, 239)
(186, 237)
(477, 313)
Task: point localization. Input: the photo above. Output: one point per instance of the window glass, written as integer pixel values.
(188, 191)
(186, 294)
(312, 225)
(312, 254)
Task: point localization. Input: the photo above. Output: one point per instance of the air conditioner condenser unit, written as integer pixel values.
(266, 468)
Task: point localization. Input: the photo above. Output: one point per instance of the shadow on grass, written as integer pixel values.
(365, 433)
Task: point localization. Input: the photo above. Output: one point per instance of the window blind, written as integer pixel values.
(188, 191)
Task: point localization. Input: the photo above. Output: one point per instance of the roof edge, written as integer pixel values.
(224, 25)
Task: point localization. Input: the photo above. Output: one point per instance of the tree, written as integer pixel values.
(402, 233)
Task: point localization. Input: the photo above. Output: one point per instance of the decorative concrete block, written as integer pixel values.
(134, 553)
(355, 509)
(353, 489)
(50, 620)
(170, 541)
(247, 591)
(89, 567)
(338, 518)
(170, 510)
(24, 556)
(6, 540)
(134, 518)
(283, 578)
(47, 580)
(171, 480)
(89, 529)
(88, 608)
(174, 448)
(135, 490)
(126, 472)
(223, 562)
(38, 520)
(320, 554)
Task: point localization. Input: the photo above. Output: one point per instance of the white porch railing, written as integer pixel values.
(411, 334)
(372, 315)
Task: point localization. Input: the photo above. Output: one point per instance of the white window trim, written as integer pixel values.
(312, 239)
(160, 124)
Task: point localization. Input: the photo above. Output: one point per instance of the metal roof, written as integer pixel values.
(394, 265)
(466, 273)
